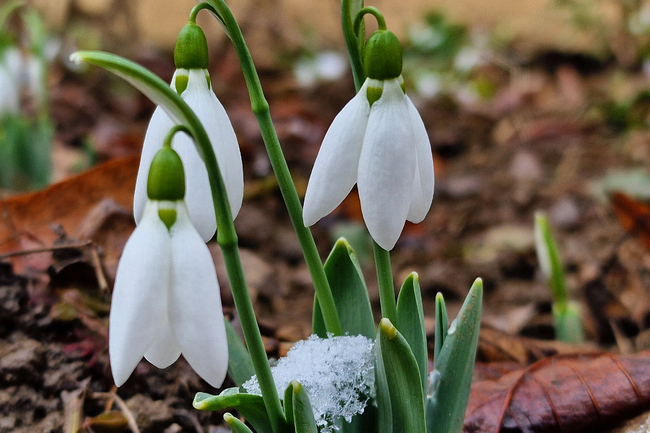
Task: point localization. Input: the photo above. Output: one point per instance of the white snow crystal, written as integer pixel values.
(337, 373)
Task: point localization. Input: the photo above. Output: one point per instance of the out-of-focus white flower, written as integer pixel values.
(10, 80)
(200, 97)
(166, 299)
(384, 148)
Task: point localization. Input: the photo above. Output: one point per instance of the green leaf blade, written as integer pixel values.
(410, 323)
(446, 406)
(350, 294)
(402, 380)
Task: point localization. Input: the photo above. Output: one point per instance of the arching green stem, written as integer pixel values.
(353, 40)
(381, 22)
(261, 110)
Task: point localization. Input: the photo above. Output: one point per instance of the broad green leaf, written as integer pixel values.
(410, 323)
(240, 365)
(452, 377)
(350, 293)
(251, 406)
(303, 415)
(402, 379)
(236, 426)
(442, 326)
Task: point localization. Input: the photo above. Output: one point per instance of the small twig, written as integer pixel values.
(99, 270)
(45, 249)
(123, 408)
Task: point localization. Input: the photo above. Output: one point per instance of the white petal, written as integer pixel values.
(138, 309)
(165, 350)
(423, 182)
(386, 166)
(222, 136)
(335, 170)
(159, 126)
(195, 304)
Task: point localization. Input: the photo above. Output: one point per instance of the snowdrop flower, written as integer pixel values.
(10, 80)
(192, 81)
(379, 142)
(166, 299)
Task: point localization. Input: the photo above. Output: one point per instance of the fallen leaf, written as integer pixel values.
(633, 215)
(562, 393)
(27, 220)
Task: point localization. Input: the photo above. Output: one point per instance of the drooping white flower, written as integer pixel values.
(10, 80)
(166, 300)
(384, 149)
(199, 96)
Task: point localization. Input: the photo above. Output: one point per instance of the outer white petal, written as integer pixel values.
(424, 180)
(195, 304)
(159, 126)
(386, 166)
(226, 148)
(140, 295)
(335, 170)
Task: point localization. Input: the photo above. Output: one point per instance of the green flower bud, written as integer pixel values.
(166, 176)
(383, 60)
(191, 51)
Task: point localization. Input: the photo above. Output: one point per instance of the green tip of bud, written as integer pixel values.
(191, 51)
(383, 60)
(166, 176)
(387, 328)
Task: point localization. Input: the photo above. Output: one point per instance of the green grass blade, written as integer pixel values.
(240, 365)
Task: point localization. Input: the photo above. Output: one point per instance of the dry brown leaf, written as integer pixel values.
(562, 393)
(26, 220)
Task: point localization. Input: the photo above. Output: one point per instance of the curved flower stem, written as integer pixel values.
(385, 282)
(261, 110)
(353, 41)
(381, 22)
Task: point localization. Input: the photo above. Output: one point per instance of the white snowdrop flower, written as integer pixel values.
(166, 299)
(192, 82)
(10, 80)
(379, 142)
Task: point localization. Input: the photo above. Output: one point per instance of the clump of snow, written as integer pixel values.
(337, 373)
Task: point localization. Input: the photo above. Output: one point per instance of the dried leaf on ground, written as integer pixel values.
(27, 220)
(633, 215)
(563, 393)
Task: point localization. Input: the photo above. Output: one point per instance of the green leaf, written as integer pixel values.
(549, 260)
(350, 293)
(251, 406)
(240, 365)
(288, 404)
(410, 323)
(236, 426)
(442, 326)
(452, 377)
(402, 380)
(303, 415)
